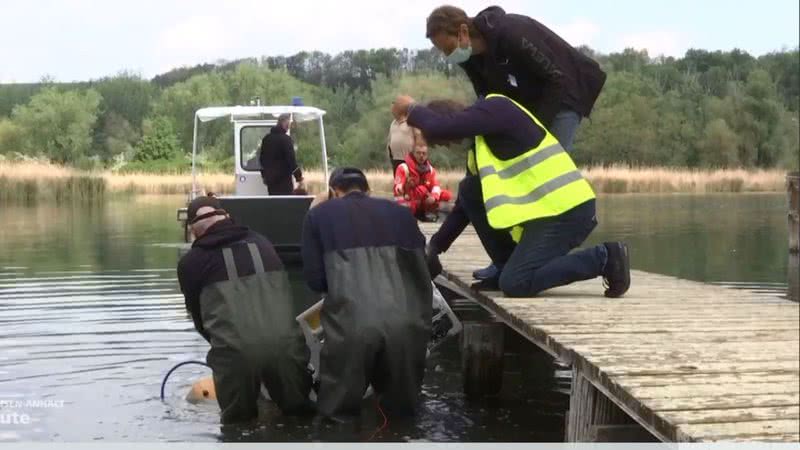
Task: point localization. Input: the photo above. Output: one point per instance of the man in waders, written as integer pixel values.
(532, 189)
(368, 256)
(240, 300)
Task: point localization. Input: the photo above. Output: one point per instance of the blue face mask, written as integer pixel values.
(459, 55)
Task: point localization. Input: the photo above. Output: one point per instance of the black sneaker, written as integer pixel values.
(617, 272)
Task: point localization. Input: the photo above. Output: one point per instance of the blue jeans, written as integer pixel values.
(542, 259)
(564, 127)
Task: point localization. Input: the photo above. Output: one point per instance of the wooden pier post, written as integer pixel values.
(482, 350)
(793, 279)
(593, 417)
(793, 187)
(793, 292)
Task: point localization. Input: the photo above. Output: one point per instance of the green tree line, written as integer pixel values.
(705, 109)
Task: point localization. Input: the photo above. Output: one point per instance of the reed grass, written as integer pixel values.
(624, 180)
(31, 181)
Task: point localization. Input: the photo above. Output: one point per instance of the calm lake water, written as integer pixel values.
(91, 319)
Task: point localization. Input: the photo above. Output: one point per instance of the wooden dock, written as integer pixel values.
(687, 361)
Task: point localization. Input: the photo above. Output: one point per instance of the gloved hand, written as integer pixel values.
(432, 260)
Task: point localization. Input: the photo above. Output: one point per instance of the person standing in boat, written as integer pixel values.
(367, 255)
(240, 300)
(278, 161)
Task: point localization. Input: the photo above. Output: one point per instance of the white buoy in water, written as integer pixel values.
(202, 390)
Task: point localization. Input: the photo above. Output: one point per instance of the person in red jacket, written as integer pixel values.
(415, 183)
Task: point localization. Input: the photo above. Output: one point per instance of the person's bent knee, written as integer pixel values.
(515, 287)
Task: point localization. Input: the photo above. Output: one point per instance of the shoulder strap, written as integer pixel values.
(230, 264)
(258, 263)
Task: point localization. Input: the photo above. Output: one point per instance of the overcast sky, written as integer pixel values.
(87, 39)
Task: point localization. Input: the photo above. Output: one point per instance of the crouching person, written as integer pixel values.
(415, 183)
(368, 255)
(239, 297)
(531, 188)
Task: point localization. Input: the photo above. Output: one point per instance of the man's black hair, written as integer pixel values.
(346, 179)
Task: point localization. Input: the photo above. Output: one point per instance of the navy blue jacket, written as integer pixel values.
(508, 131)
(354, 221)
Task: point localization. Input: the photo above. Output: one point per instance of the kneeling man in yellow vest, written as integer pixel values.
(531, 188)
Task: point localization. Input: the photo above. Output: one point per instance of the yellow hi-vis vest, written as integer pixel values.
(472, 169)
(472, 166)
(542, 182)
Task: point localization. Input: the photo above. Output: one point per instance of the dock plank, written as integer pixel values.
(654, 337)
(694, 390)
(716, 432)
(689, 361)
(706, 402)
(704, 378)
(683, 367)
(733, 415)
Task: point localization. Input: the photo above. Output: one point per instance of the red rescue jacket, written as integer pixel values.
(416, 181)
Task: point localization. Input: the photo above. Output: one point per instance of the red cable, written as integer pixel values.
(385, 421)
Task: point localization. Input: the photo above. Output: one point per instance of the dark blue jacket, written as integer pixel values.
(352, 222)
(508, 131)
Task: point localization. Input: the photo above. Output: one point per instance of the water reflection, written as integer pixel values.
(90, 314)
(99, 343)
(725, 237)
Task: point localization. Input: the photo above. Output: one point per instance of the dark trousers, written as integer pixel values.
(542, 259)
(282, 187)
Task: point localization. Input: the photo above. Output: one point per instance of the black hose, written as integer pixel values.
(166, 377)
